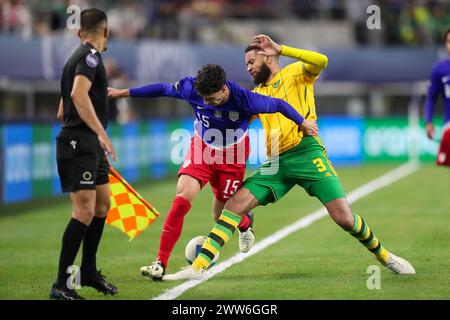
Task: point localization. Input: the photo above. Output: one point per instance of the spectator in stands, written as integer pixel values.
(353, 9)
(165, 26)
(127, 20)
(412, 22)
(440, 19)
(17, 17)
(119, 110)
(415, 24)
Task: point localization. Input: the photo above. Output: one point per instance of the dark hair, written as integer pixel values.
(251, 47)
(210, 79)
(446, 33)
(92, 19)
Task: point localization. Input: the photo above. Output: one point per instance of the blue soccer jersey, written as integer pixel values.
(439, 86)
(224, 125)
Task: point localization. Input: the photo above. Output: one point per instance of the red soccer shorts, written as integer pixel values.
(443, 156)
(224, 169)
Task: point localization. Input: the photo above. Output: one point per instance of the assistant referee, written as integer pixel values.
(82, 149)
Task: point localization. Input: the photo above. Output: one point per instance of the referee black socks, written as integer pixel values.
(71, 241)
(90, 245)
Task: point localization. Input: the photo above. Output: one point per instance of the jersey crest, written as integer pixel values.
(233, 115)
(277, 84)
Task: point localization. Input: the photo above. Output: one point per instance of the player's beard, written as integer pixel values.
(263, 75)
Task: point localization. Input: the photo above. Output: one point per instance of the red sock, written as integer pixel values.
(172, 228)
(245, 223)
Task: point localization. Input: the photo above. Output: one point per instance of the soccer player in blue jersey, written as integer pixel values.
(440, 86)
(219, 148)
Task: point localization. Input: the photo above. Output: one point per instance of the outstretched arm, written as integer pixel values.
(149, 91)
(314, 62)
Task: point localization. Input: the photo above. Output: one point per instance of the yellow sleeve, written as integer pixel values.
(314, 62)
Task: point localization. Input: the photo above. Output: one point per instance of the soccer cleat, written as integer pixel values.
(187, 273)
(246, 240)
(155, 271)
(97, 281)
(247, 237)
(64, 294)
(399, 265)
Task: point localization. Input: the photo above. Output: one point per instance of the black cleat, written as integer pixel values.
(64, 294)
(97, 281)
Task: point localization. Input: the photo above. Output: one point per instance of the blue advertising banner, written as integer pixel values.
(129, 155)
(155, 149)
(55, 177)
(159, 151)
(17, 153)
(342, 137)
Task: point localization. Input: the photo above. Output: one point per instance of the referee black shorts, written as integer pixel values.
(82, 163)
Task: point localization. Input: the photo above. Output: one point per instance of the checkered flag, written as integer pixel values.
(129, 212)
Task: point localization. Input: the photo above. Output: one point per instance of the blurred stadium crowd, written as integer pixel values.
(194, 28)
(405, 22)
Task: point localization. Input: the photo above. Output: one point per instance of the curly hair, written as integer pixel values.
(252, 46)
(210, 79)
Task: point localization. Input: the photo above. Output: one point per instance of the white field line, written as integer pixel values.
(362, 191)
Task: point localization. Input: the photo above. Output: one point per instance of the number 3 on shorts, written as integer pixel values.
(319, 164)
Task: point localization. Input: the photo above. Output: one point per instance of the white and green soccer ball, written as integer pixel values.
(194, 247)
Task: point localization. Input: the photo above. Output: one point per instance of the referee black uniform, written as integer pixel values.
(82, 160)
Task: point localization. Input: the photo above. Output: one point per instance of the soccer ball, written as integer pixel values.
(194, 247)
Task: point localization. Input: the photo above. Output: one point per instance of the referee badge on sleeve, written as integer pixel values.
(91, 60)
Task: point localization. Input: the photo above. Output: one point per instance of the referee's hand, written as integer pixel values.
(106, 144)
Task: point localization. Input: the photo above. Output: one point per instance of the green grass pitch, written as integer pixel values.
(410, 217)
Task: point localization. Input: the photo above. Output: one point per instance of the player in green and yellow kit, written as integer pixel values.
(294, 158)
